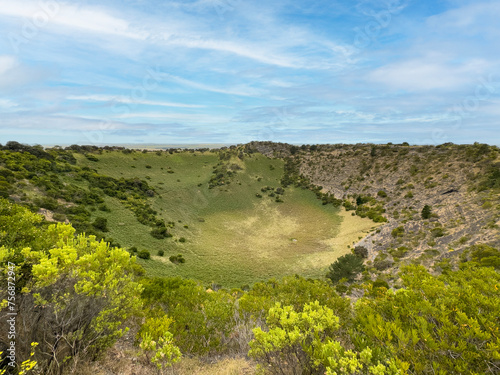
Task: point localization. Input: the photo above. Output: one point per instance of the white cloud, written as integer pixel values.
(90, 19)
(426, 74)
(469, 18)
(199, 118)
(240, 48)
(239, 90)
(6, 104)
(129, 100)
(186, 32)
(6, 63)
(62, 122)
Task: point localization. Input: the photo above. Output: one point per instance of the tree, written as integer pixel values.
(426, 212)
(347, 266)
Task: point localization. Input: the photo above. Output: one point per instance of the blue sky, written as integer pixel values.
(232, 71)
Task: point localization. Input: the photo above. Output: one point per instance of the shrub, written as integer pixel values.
(398, 232)
(177, 259)
(91, 157)
(360, 200)
(158, 343)
(400, 252)
(103, 207)
(59, 217)
(101, 223)
(64, 291)
(382, 264)
(202, 323)
(161, 253)
(426, 212)
(182, 239)
(347, 266)
(438, 232)
(382, 194)
(160, 232)
(435, 325)
(361, 251)
(301, 343)
(482, 255)
(380, 284)
(144, 254)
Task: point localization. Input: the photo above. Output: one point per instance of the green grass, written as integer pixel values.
(233, 238)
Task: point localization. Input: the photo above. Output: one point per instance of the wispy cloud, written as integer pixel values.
(130, 100)
(239, 91)
(429, 73)
(91, 19)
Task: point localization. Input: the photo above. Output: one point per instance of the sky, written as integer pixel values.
(233, 71)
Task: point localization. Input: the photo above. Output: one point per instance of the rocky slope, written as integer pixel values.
(392, 183)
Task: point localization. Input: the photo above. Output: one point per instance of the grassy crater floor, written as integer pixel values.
(232, 237)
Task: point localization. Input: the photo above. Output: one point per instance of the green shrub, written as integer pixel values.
(400, 252)
(380, 284)
(69, 305)
(59, 217)
(302, 343)
(382, 194)
(438, 232)
(382, 264)
(482, 255)
(426, 212)
(103, 207)
(91, 157)
(434, 325)
(202, 323)
(361, 251)
(161, 253)
(398, 232)
(347, 266)
(144, 254)
(101, 223)
(177, 259)
(158, 343)
(160, 232)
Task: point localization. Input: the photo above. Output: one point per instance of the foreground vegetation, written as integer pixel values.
(75, 296)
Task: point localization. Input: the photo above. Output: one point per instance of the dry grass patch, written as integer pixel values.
(228, 366)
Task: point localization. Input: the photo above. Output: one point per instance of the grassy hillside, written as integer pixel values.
(232, 237)
(223, 210)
